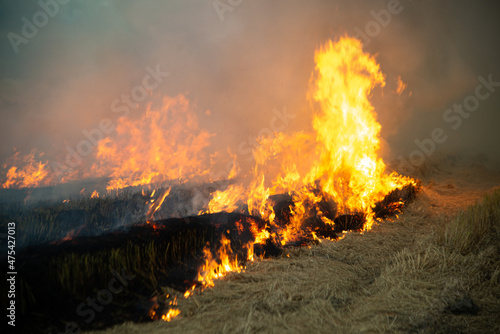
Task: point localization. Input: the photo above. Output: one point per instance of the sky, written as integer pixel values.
(240, 63)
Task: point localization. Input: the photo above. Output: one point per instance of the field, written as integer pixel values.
(435, 269)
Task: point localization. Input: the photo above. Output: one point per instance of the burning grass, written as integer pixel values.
(302, 188)
(402, 276)
(175, 253)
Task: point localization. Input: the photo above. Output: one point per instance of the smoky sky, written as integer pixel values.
(244, 63)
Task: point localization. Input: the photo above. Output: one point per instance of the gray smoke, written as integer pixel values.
(245, 61)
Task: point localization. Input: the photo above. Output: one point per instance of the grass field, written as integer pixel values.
(435, 269)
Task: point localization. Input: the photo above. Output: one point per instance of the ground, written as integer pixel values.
(402, 276)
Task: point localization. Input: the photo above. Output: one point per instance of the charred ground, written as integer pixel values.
(60, 270)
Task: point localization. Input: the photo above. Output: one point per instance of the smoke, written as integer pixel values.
(245, 62)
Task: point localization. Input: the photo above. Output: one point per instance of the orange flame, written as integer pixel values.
(339, 160)
(225, 200)
(156, 204)
(344, 166)
(172, 313)
(401, 86)
(165, 144)
(31, 173)
(348, 133)
(212, 269)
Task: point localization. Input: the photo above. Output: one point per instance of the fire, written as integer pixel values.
(339, 161)
(165, 144)
(250, 252)
(212, 269)
(156, 204)
(262, 236)
(401, 86)
(336, 163)
(225, 200)
(172, 313)
(347, 131)
(31, 171)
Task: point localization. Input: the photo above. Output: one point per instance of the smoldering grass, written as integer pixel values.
(49, 221)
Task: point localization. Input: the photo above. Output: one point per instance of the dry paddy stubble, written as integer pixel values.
(403, 276)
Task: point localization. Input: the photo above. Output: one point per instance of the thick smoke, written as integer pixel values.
(243, 63)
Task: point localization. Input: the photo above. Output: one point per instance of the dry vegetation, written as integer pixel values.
(436, 269)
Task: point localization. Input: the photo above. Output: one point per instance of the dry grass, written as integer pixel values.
(400, 277)
(479, 224)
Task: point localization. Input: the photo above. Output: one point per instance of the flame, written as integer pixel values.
(337, 162)
(172, 313)
(235, 169)
(165, 144)
(225, 200)
(213, 269)
(401, 86)
(152, 311)
(95, 194)
(260, 235)
(156, 204)
(250, 252)
(27, 171)
(349, 169)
